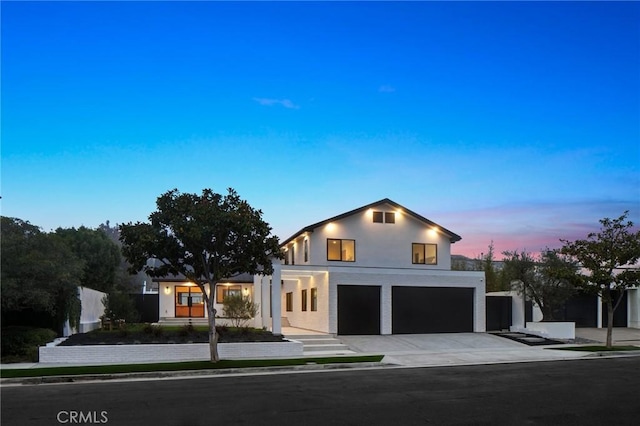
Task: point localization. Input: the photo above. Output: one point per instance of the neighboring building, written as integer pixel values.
(378, 269)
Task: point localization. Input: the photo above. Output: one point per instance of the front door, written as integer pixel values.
(189, 302)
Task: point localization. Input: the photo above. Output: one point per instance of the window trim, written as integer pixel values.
(378, 217)
(341, 241)
(389, 215)
(222, 291)
(424, 254)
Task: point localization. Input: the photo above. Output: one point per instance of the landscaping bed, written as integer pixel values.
(132, 334)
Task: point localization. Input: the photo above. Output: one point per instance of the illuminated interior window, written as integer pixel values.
(341, 250)
(426, 254)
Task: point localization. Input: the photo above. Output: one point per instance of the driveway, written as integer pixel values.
(452, 349)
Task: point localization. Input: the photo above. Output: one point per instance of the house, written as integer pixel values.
(378, 269)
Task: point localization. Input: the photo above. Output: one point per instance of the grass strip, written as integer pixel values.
(180, 366)
(599, 348)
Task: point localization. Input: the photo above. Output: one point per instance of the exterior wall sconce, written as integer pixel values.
(167, 290)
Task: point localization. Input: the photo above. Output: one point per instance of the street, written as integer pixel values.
(581, 392)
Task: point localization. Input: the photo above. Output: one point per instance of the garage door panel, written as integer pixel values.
(358, 309)
(418, 310)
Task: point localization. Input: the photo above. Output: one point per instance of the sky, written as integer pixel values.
(511, 122)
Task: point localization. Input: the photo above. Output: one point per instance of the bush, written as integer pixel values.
(119, 306)
(239, 309)
(20, 344)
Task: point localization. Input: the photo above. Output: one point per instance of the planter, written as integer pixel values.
(552, 329)
(128, 354)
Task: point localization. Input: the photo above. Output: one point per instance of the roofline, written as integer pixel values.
(453, 237)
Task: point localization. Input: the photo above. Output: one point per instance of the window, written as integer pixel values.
(426, 254)
(304, 300)
(289, 302)
(342, 250)
(293, 255)
(286, 256)
(384, 217)
(306, 250)
(314, 299)
(389, 217)
(223, 291)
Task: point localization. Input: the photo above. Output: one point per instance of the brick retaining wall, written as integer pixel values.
(125, 354)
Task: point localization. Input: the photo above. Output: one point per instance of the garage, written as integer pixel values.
(417, 310)
(358, 309)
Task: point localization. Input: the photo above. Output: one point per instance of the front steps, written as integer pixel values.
(320, 344)
(183, 321)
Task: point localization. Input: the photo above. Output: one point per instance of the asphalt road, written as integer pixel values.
(581, 392)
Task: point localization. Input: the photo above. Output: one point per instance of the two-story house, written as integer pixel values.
(378, 269)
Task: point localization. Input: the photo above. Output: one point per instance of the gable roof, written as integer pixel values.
(453, 237)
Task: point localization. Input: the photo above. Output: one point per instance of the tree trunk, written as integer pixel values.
(213, 334)
(609, 322)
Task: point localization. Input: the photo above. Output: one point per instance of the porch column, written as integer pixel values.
(276, 297)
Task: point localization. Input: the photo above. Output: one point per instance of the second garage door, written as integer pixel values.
(417, 310)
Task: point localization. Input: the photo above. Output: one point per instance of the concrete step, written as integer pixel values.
(316, 348)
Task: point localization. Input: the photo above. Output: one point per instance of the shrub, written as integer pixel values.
(239, 309)
(186, 330)
(119, 306)
(21, 343)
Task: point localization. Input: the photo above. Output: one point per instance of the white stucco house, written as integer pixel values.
(378, 269)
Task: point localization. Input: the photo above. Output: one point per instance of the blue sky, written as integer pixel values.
(504, 121)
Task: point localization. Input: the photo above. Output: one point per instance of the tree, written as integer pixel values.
(99, 254)
(548, 279)
(124, 281)
(486, 264)
(239, 309)
(40, 274)
(607, 259)
(205, 238)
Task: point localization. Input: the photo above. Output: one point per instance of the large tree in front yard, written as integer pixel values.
(206, 238)
(609, 259)
(549, 279)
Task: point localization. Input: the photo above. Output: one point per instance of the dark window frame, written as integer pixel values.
(424, 254)
(288, 298)
(378, 217)
(341, 242)
(314, 299)
(305, 247)
(389, 217)
(304, 299)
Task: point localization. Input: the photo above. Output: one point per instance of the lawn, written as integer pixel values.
(598, 348)
(180, 366)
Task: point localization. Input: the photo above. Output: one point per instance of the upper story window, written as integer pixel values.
(306, 250)
(293, 255)
(425, 254)
(342, 250)
(384, 217)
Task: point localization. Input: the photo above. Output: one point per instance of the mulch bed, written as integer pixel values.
(158, 335)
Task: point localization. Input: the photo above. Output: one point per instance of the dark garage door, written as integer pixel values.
(432, 310)
(358, 309)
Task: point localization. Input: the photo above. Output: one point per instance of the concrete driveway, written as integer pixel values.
(452, 349)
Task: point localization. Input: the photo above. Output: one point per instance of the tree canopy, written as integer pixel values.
(40, 273)
(205, 238)
(609, 261)
(99, 255)
(548, 279)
